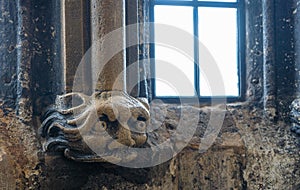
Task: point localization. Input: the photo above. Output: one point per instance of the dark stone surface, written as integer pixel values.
(30, 54)
(47, 67)
(249, 153)
(8, 52)
(296, 13)
(269, 61)
(254, 52)
(285, 54)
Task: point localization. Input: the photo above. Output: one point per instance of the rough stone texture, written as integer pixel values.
(272, 152)
(254, 51)
(269, 62)
(7, 178)
(296, 13)
(264, 84)
(295, 119)
(251, 152)
(28, 36)
(285, 54)
(8, 53)
(20, 166)
(248, 154)
(46, 74)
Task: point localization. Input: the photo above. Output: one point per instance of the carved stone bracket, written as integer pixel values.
(295, 116)
(83, 126)
(101, 127)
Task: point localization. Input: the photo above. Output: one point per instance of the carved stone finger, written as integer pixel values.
(53, 117)
(78, 120)
(115, 145)
(65, 107)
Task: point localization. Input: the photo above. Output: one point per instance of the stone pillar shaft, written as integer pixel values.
(269, 58)
(76, 42)
(107, 16)
(8, 53)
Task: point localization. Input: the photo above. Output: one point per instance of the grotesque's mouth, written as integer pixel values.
(130, 133)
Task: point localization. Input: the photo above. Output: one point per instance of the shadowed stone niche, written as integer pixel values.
(87, 126)
(104, 126)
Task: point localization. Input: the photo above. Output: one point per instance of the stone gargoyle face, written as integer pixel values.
(82, 126)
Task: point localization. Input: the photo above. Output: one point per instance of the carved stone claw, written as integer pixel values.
(95, 128)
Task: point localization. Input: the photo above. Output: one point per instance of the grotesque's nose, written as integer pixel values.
(137, 125)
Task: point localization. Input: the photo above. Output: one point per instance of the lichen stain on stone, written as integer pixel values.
(7, 178)
(19, 148)
(272, 154)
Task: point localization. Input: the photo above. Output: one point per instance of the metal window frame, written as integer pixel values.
(239, 5)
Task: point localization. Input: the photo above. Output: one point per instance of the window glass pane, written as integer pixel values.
(218, 33)
(174, 68)
(219, 0)
(174, 0)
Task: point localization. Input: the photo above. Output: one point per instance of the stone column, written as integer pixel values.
(8, 53)
(107, 16)
(75, 44)
(295, 105)
(253, 52)
(269, 83)
(8, 83)
(296, 13)
(30, 74)
(16, 57)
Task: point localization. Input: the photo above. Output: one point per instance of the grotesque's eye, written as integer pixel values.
(103, 121)
(141, 118)
(103, 118)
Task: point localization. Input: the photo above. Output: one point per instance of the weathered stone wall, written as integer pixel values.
(251, 152)
(30, 77)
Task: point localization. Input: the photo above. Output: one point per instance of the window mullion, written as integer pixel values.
(196, 3)
(241, 52)
(196, 53)
(197, 6)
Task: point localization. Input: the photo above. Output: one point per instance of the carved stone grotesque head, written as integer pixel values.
(85, 126)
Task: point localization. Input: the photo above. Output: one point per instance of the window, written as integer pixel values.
(197, 49)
